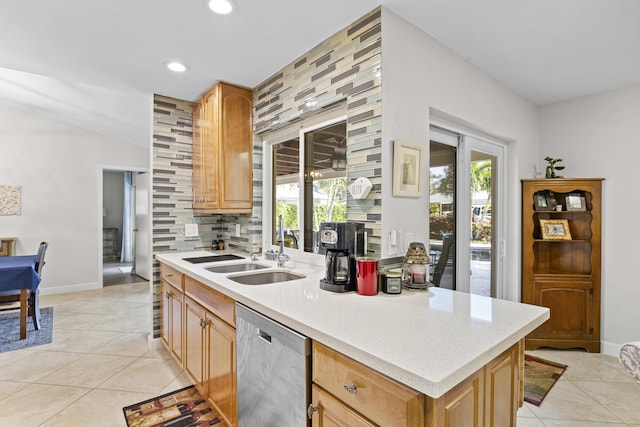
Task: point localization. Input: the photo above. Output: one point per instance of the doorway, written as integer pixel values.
(465, 221)
(125, 253)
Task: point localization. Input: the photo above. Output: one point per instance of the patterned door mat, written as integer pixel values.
(180, 408)
(539, 376)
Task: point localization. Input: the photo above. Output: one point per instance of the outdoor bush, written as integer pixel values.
(439, 225)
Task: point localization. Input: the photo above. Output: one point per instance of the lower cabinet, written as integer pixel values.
(360, 396)
(332, 412)
(346, 393)
(171, 299)
(490, 397)
(210, 348)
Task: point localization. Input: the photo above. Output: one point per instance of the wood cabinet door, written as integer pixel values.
(221, 367)
(194, 318)
(205, 153)
(330, 412)
(461, 406)
(198, 123)
(175, 332)
(571, 305)
(235, 147)
(165, 314)
(502, 389)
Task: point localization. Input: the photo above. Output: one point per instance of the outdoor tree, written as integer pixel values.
(481, 174)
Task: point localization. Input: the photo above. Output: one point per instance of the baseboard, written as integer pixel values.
(68, 288)
(155, 344)
(610, 348)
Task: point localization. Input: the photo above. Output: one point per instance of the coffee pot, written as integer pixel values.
(337, 270)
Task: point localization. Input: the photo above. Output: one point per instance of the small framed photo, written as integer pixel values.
(575, 203)
(407, 169)
(555, 229)
(542, 202)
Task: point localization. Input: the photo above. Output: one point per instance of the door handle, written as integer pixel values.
(265, 336)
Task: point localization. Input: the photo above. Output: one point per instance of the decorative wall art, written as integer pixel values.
(407, 169)
(10, 202)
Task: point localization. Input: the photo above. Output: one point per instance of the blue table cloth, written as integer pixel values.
(18, 272)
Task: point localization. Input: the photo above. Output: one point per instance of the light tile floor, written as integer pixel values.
(99, 362)
(594, 391)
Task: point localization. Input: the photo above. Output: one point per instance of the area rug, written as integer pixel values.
(10, 330)
(184, 407)
(539, 376)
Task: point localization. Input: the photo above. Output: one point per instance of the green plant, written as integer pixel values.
(552, 167)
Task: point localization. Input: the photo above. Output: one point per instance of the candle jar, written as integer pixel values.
(415, 268)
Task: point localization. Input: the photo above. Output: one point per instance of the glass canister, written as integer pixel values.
(391, 282)
(415, 267)
(367, 276)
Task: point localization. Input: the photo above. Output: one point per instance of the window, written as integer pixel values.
(308, 182)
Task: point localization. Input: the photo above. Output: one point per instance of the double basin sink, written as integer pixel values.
(258, 278)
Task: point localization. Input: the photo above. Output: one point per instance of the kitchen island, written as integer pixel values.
(429, 341)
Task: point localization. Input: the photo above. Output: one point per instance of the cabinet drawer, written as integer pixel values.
(218, 304)
(171, 276)
(373, 395)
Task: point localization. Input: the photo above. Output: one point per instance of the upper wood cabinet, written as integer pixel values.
(561, 259)
(223, 150)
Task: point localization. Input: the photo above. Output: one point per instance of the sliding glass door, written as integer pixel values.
(465, 221)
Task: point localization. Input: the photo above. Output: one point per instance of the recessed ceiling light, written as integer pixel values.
(176, 66)
(222, 7)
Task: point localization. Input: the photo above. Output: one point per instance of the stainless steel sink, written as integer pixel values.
(266, 277)
(212, 258)
(233, 268)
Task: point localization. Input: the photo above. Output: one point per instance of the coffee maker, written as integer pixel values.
(341, 242)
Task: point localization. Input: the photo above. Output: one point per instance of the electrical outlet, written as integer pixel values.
(190, 230)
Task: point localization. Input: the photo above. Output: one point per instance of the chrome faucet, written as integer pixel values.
(283, 259)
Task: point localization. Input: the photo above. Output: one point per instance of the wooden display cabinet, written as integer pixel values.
(222, 150)
(561, 269)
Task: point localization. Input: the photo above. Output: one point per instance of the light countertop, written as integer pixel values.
(428, 340)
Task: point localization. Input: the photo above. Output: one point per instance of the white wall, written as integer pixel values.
(419, 74)
(58, 169)
(598, 136)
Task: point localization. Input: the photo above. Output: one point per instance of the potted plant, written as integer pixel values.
(552, 167)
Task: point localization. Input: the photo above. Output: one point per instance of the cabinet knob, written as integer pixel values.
(167, 294)
(351, 388)
(311, 410)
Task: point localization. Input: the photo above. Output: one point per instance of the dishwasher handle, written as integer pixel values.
(265, 336)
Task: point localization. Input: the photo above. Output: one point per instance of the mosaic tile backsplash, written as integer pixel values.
(343, 69)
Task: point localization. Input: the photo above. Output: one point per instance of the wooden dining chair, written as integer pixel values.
(33, 300)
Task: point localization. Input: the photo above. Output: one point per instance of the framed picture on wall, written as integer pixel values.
(407, 169)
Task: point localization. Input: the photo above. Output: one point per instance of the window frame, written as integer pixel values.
(298, 129)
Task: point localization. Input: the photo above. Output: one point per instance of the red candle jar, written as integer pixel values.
(367, 276)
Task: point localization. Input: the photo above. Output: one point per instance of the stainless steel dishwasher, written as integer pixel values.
(273, 367)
